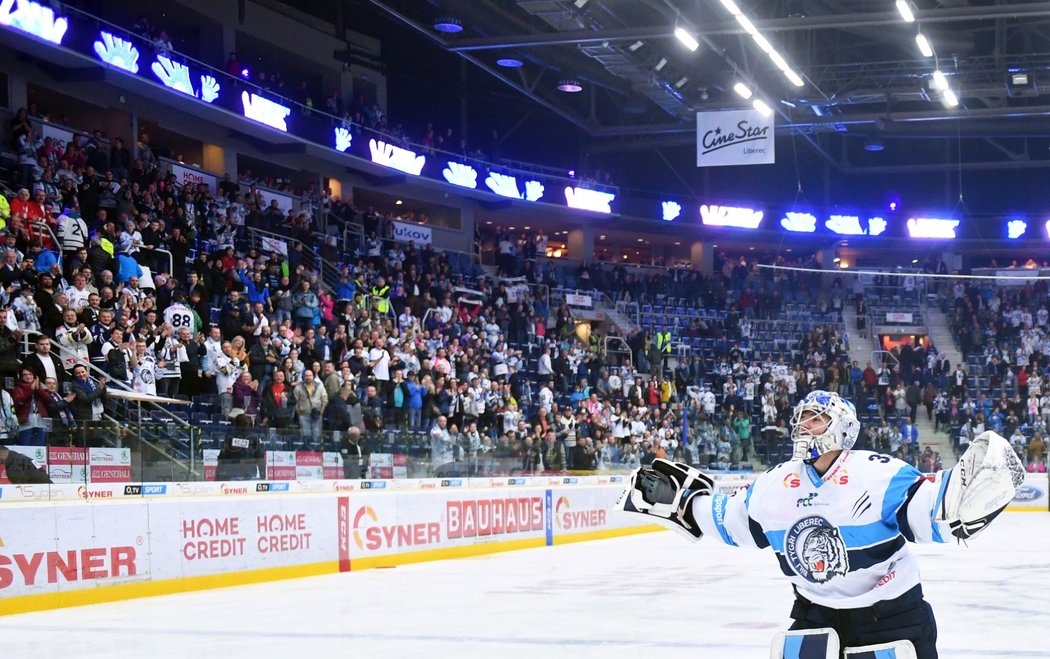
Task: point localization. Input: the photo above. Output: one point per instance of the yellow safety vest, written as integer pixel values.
(663, 341)
(383, 301)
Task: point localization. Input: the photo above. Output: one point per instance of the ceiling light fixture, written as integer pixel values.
(950, 99)
(762, 108)
(688, 40)
(924, 45)
(742, 90)
(904, 7)
(635, 46)
(681, 83)
(570, 86)
(763, 43)
(510, 62)
(874, 145)
(661, 64)
(448, 25)
(939, 81)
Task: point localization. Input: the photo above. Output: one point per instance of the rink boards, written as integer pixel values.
(68, 545)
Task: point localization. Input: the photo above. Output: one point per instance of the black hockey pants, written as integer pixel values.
(905, 618)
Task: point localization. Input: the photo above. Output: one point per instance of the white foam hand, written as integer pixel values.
(343, 138)
(173, 74)
(117, 52)
(209, 88)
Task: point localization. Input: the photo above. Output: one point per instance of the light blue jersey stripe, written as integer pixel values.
(718, 510)
(855, 537)
(897, 491)
(937, 505)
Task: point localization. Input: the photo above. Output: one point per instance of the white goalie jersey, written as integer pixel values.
(840, 538)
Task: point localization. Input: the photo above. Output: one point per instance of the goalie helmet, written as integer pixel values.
(839, 431)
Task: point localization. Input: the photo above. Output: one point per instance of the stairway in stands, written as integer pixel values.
(939, 330)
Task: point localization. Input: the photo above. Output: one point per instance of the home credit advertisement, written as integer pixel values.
(104, 540)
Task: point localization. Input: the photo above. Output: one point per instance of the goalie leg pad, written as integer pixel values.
(806, 644)
(895, 650)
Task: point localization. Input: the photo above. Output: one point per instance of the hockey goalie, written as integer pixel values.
(857, 591)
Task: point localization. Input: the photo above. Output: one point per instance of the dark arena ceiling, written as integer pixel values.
(869, 102)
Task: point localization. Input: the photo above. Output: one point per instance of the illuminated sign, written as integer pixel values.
(671, 210)
(850, 225)
(343, 138)
(34, 18)
(1015, 229)
(462, 175)
(395, 157)
(209, 88)
(503, 185)
(117, 52)
(265, 111)
(533, 190)
(589, 200)
(925, 227)
(729, 216)
(174, 75)
(799, 222)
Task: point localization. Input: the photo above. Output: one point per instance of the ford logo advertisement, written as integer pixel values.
(1028, 493)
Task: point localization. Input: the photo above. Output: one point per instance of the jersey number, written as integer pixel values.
(884, 459)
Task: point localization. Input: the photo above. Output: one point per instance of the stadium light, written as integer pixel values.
(762, 108)
(742, 90)
(924, 45)
(950, 99)
(688, 40)
(939, 81)
(763, 43)
(904, 7)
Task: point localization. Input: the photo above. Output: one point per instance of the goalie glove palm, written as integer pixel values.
(666, 491)
(980, 486)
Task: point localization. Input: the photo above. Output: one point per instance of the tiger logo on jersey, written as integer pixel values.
(815, 550)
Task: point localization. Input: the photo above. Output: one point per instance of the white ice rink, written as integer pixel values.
(653, 596)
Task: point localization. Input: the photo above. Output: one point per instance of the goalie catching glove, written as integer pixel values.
(980, 486)
(666, 491)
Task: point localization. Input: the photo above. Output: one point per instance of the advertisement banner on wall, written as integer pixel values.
(193, 177)
(405, 232)
(1033, 494)
(734, 137)
(898, 317)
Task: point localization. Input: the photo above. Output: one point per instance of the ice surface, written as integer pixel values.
(653, 595)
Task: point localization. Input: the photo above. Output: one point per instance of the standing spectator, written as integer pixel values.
(87, 406)
(278, 403)
(310, 402)
(441, 451)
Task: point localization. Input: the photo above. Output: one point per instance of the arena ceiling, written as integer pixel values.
(865, 83)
